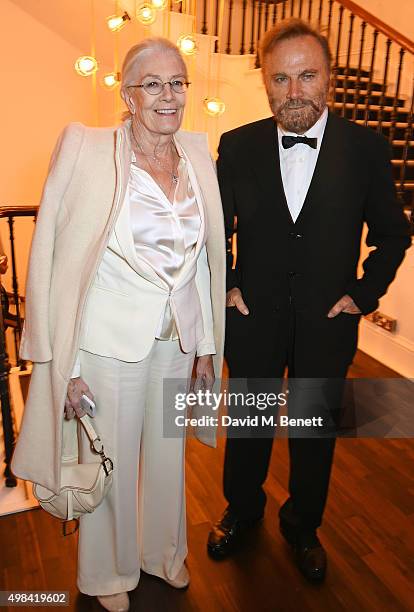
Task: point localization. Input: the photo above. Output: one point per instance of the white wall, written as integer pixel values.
(40, 94)
(399, 14)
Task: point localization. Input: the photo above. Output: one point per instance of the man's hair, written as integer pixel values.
(288, 29)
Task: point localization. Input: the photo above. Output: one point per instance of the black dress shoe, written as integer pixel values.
(228, 533)
(310, 555)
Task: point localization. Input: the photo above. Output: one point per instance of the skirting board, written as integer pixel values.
(392, 350)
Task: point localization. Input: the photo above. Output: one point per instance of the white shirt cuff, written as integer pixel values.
(206, 349)
(76, 368)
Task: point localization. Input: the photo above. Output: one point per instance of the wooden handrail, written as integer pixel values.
(379, 25)
(18, 211)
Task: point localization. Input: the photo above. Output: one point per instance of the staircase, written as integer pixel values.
(362, 101)
(373, 64)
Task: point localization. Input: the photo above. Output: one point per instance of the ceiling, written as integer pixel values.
(72, 20)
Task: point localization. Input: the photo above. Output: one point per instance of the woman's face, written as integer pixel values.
(161, 113)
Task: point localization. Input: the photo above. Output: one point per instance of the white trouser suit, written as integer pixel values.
(141, 524)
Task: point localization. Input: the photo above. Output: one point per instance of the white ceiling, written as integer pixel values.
(72, 20)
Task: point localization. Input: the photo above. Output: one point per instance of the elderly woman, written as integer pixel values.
(125, 289)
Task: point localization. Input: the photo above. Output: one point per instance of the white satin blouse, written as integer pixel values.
(164, 233)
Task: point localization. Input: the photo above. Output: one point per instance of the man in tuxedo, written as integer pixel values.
(301, 185)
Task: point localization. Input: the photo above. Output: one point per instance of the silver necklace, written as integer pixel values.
(174, 177)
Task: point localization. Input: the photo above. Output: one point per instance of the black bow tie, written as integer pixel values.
(290, 141)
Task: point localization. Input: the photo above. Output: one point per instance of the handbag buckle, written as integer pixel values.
(107, 465)
(98, 449)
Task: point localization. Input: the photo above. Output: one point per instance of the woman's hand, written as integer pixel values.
(204, 373)
(76, 388)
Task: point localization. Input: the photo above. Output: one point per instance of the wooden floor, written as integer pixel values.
(368, 533)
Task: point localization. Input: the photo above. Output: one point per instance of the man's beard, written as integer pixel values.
(302, 119)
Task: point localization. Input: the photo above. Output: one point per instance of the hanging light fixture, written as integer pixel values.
(159, 5)
(116, 22)
(187, 44)
(214, 107)
(111, 80)
(146, 14)
(86, 65)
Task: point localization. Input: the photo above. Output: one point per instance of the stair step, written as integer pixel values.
(363, 93)
(375, 86)
(353, 72)
(408, 185)
(385, 124)
(372, 107)
(400, 162)
(402, 143)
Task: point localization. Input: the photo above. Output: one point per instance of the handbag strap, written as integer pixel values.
(97, 444)
(96, 441)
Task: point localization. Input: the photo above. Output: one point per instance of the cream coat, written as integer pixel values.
(80, 205)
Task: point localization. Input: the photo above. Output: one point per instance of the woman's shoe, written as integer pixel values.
(182, 579)
(119, 602)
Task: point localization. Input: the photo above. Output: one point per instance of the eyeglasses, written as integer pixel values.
(156, 86)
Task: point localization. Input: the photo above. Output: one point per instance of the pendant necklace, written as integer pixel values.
(174, 176)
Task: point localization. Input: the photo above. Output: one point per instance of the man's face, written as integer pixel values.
(296, 77)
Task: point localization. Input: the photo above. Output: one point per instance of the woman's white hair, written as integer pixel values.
(137, 54)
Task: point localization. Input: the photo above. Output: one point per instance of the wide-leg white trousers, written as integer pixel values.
(142, 521)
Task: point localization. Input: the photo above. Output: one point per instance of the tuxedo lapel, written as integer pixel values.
(266, 166)
(327, 168)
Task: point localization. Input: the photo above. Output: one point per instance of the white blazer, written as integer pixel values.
(128, 298)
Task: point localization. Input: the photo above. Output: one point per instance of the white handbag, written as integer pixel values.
(83, 485)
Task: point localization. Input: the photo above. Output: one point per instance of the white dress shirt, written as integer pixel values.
(164, 233)
(298, 163)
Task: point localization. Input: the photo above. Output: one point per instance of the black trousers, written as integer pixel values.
(319, 374)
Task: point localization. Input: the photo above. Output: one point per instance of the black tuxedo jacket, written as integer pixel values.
(308, 265)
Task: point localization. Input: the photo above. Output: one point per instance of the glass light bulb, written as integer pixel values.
(111, 80)
(86, 65)
(187, 44)
(214, 107)
(146, 14)
(159, 4)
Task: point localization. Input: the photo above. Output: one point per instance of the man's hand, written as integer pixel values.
(76, 388)
(234, 298)
(345, 304)
(204, 373)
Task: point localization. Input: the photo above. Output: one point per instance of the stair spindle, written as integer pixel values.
(251, 50)
(259, 28)
(228, 48)
(384, 86)
(320, 13)
(216, 25)
(371, 76)
(292, 8)
(266, 18)
(330, 18)
(204, 25)
(310, 10)
(396, 97)
(284, 10)
(6, 415)
(274, 13)
(336, 66)
(243, 27)
(348, 59)
(358, 75)
(300, 8)
(408, 138)
(18, 328)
